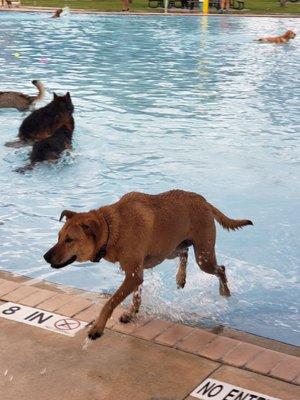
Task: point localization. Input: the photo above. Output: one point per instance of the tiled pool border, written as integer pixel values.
(229, 347)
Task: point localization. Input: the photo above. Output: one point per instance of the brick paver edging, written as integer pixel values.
(197, 341)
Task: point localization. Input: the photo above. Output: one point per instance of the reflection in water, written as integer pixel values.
(191, 103)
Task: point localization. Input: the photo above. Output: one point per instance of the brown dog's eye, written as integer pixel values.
(68, 240)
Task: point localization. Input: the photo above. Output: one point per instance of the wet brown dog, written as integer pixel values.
(279, 39)
(140, 231)
(42, 123)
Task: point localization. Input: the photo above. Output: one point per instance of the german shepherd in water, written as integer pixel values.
(51, 148)
(44, 122)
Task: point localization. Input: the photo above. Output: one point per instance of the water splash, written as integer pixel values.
(86, 343)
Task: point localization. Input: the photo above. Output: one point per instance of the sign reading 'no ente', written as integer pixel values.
(40, 318)
(212, 389)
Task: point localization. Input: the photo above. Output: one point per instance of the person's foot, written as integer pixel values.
(220, 11)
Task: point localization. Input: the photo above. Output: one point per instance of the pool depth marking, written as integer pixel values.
(42, 319)
(211, 389)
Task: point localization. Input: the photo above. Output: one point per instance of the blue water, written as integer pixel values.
(161, 103)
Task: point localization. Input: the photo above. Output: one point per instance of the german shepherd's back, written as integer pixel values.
(43, 122)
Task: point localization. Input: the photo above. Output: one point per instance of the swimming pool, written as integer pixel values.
(161, 103)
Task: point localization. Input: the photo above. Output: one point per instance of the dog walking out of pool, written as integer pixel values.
(140, 231)
(21, 101)
(44, 122)
(279, 39)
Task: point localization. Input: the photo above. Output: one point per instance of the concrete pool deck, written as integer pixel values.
(171, 12)
(151, 359)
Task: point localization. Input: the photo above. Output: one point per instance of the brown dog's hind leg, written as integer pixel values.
(206, 259)
(129, 315)
(181, 273)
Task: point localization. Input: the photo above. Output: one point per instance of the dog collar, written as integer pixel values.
(102, 251)
(100, 254)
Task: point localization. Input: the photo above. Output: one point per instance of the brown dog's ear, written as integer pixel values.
(92, 228)
(68, 95)
(54, 96)
(68, 214)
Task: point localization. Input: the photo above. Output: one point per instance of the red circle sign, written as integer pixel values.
(67, 324)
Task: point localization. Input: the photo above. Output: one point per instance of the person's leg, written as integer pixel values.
(227, 4)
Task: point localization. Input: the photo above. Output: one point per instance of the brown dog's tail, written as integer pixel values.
(228, 223)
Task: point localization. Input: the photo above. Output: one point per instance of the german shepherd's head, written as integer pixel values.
(82, 238)
(63, 103)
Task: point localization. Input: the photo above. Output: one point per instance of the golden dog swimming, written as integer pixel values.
(140, 231)
(21, 101)
(279, 39)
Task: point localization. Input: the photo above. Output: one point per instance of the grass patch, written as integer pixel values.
(254, 6)
(271, 7)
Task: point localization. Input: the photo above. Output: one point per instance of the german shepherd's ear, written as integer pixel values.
(68, 214)
(54, 96)
(68, 96)
(92, 228)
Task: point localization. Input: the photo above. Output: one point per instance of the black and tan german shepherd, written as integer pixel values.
(44, 122)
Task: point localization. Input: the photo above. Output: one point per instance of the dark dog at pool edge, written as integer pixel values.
(140, 231)
(42, 123)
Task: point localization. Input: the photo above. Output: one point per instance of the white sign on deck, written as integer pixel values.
(211, 389)
(40, 318)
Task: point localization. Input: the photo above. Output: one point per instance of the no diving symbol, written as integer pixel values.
(67, 324)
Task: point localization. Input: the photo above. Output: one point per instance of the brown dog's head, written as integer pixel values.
(82, 238)
(289, 34)
(63, 103)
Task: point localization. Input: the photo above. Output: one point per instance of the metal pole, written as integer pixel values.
(166, 5)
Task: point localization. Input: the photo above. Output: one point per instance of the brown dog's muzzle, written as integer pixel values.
(50, 257)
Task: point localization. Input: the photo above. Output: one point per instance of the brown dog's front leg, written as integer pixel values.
(127, 287)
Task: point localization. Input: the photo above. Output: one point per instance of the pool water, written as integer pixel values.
(161, 103)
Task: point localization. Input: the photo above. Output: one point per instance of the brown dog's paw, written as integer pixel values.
(125, 318)
(94, 333)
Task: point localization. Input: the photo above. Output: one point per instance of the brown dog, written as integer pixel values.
(279, 39)
(140, 231)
